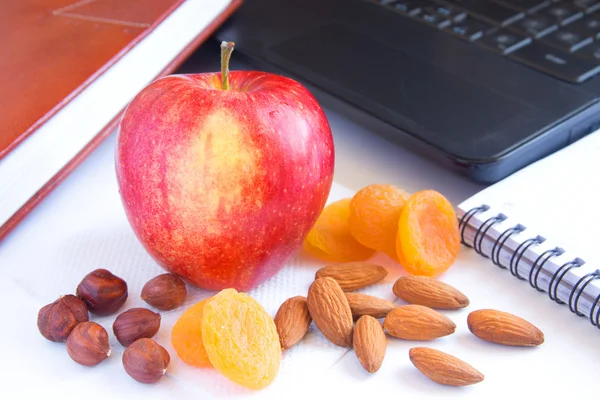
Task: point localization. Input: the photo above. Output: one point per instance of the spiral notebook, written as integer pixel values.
(542, 225)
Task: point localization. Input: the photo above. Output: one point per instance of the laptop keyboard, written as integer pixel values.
(560, 38)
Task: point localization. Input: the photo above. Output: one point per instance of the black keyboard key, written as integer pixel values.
(469, 29)
(588, 26)
(566, 66)
(525, 5)
(430, 16)
(567, 40)
(535, 26)
(562, 12)
(504, 41)
(450, 12)
(591, 52)
(491, 12)
(408, 7)
(587, 5)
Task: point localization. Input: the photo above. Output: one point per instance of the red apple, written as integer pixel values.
(222, 175)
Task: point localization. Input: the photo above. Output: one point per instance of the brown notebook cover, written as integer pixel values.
(53, 49)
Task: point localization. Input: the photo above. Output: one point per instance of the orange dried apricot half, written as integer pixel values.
(241, 339)
(186, 336)
(330, 238)
(374, 214)
(428, 239)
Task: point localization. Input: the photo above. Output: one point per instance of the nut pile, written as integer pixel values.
(102, 293)
(351, 320)
(344, 317)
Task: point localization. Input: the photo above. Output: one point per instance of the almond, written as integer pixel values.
(364, 304)
(330, 311)
(352, 276)
(369, 343)
(292, 321)
(429, 292)
(504, 328)
(443, 368)
(415, 322)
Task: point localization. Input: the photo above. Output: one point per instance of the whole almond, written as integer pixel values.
(369, 343)
(443, 368)
(415, 322)
(329, 309)
(353, 276)
(504, 328)
(429, 292)
(292, 321)
(364, 304)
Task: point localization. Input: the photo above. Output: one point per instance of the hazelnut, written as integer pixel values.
(146, 361)
(165, 292)
(102, 292)
(57, 320)
(135, 324)
(88, 344)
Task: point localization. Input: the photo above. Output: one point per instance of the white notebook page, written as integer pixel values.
(558, 197)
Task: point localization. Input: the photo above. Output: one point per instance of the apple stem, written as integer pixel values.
(226, 50)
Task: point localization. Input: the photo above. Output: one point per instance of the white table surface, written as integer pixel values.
(362, 158)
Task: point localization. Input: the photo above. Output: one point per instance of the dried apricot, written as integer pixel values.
(330, 238)
(428, 239)
(186, 336)
(241, 339)
(374, 214)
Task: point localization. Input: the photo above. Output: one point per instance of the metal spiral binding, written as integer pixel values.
(464, 221)
(584, 281)
(558, 276)
(480, 234)
(501, 241)
(595, 304)
(537, 266)
(516, 257)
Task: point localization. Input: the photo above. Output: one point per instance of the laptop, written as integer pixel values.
(484, 86)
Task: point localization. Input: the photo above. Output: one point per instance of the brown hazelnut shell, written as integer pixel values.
(57, 320)
(135, 324)
(103, 292)
(88, 344)
(164, 292)
(146, 361)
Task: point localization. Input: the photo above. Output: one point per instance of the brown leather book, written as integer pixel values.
(57, 52)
